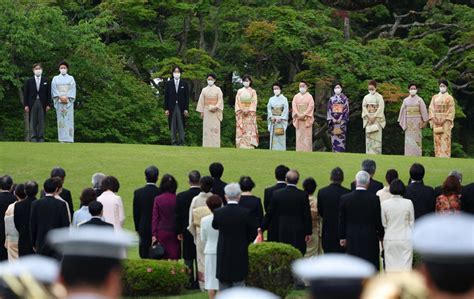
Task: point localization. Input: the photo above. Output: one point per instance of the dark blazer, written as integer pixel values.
(254, 205)
(467, 199)
(272, 234)
(66, 195)
(21, 217)
(182, 97)
(374, 186)
(291, 210)
(98, 222)
(6, 199)
(30, 93)
(183, 202)
(218, 189)
(47, 214)
(143, 199)
(423, 198)
(237, 229)
(328, 208)
(360, 223)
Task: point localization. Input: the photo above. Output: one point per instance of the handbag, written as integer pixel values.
(279, 131)
(438, 130)
(157, 251)
(372, 128)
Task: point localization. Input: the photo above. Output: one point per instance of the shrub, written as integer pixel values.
(270, 267)
(152, 277)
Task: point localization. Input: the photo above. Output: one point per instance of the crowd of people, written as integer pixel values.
(211, 224)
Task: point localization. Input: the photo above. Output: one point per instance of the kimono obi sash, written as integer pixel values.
(210, 101)
(372, 108)
(337, 108)
(413, 111)
(63, 89)
(302, 108)
(277, 110)
(441, 108)
(198, 214)
(245, 99)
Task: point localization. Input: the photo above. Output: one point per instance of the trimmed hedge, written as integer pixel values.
(153, 277)
(270, 267)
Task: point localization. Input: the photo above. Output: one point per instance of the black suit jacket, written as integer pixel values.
(254, 205)
(374, 186)
(467, 199)
(291, 210)
(30, 93)
(47, 214)
(272, 234)
(66, 195)
(237, 229)
(183, 202)
(218, 189)
(182, 97)
(97, 222)
(360, 223)
(21, 217)
(6, 199)
(328, 208)
(143, 199)
(423, 198)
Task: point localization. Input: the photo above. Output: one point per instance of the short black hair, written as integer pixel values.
(247, 77)
(336, 84)
(194, 176)
(246, 183)
(277, 84)
(391, 175)
(309, 185)
(63, 63)
(443, 81)
(88, 195)
(369, 166)
(95, 208)
(206, 183)
(110, 183)
(397, 187)
(417, 172)
(151, 174)
(59, 172)
(76, 270)
(20, 191)
(6, 182)
(216, 169)
(337, 175)
(168, 184)
(411, 84)
(455, 278)
(212, 75)
(31, 188)
(37, 64)
(50, 185)
(59, 181)
(176, 67)
(373, 83)
(280, 172)
(306, 83)
(214, 202)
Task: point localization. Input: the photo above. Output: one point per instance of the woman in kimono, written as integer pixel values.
(441, 117)
(314, 246)
(303, 119)
(373, 119)
(337, 117)
(246, 135)
(277, 111)
(11, 233)
(413, 117)
(211, 106)
(63, 91)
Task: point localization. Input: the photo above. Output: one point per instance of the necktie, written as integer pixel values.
(37, 83)
(176, 83)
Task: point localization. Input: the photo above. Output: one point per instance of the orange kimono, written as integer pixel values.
(246, 131)
(442, 109)
(303, 119)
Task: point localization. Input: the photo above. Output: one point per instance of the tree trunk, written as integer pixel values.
(347, 28)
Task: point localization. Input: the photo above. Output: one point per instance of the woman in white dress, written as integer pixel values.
(398, 218)
(209, 237)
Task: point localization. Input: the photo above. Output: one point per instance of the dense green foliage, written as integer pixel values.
(116, 47)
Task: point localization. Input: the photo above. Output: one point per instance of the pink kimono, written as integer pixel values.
(303, 119)
(246, 134)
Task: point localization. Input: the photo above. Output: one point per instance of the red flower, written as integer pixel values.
(149, 270)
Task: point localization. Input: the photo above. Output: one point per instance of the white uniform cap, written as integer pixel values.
(244, 292)
(42, 269)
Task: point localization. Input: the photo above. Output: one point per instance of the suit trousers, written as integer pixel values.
(177, 127)
(37, 116)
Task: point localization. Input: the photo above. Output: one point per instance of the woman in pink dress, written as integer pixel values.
(246, 131)
(164, 219)
(303, 118)
(113, 211)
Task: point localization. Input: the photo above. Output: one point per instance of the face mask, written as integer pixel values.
(246, 83)
(63, 71)
(443, 89)
(302, 90)
(372, 92)
(277, 92)
(210, 82)
(337, 90)
(38, 72)
(413, 92)
(176, 75)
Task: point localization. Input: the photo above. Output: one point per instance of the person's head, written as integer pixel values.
(369, 166)
(397, 187)
(362, 179)
(232, 192)
(216, 170)
(20, 192)
(372, 87)
(59, 181)
(31, 189)
(206, 183)
(63, 67)
(309, 186)
(110, 183)
(51, 186)
(443, 85)
(417, 172)
(214, 202)
(58, 172)
(37, 69)
(88, 195)
(6, 183)
(97, 180)
(280, 173)
(95, 208)
(246, 184)
(176, 71)
(412, 89)
(391, 175)
(451, 186)
(303, 87)
(211, 79)
(457, 174)
(277, 88)
(151, 174)
(292, 177)
(247, 80)
(168, 184)
(337, 175)
(337, 88)
(194, 177)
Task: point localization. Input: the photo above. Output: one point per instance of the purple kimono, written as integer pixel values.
(338, 116)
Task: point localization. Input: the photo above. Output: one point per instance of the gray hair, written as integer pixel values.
(362, 178)
(232, 191)
(97, 179)
(369, 166)
(456, 174)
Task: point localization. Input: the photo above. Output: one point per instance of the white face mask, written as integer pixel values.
(176, 75)
(302, 90)
(413, 92)
(443, 89)
(337, 90)
(210, 82)
(63, 71)
(277, 92)
(246, 83)
(38, 72)
(372, 92)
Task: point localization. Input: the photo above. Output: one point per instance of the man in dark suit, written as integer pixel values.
(237, 229)
(290, 209)
(6, 198)
(95, 209)
(143, 199)
(37, 101)
(370, 167)
(280, 173)
(328, 208)
(65, 193)
(183, 202)
(176, 105)
(47, 214)
(21, 217)
(216, 170)
(360, 221)
(422, 196)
